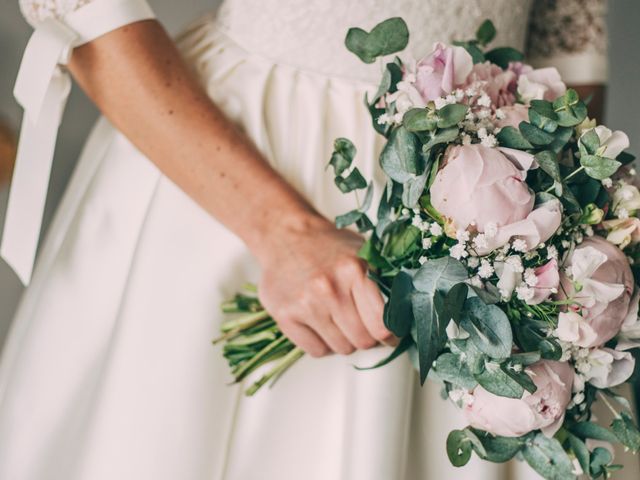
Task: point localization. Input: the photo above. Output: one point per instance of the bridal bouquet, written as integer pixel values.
(506, 243)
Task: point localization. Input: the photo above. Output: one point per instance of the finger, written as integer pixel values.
(305, 338)
(324, 326)
(370, 305)
(345, 315)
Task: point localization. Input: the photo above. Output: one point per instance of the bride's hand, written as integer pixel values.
(316, 288)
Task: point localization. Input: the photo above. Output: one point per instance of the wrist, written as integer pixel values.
(279, 229)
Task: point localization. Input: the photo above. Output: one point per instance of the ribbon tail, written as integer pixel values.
(29, 186)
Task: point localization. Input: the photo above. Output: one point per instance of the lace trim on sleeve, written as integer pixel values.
(36, 11)
(572, 36)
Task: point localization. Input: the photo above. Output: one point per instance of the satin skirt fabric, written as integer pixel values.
(109, 372)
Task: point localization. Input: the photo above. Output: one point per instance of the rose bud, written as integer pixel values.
(512, 417)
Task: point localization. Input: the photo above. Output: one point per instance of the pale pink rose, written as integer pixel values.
(443, 70)
(623, 231)
(480, 186)
(612, 143)
(547, 282)
(513, 417)
(609, 368)
(518, 68)
(513, 116)
(606, 281)
(541, 84)
(495, 82)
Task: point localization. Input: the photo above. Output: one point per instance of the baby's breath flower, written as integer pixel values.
(458, 251)
(524, 292)
(489, 141)
(427, 243)
(422, 260)
(484, 100)
(466, 139)
(519, 245)
(530, 277)
(473, 262)
(486, 269)
(462, 235)
(515, 263)
(490, 230)
(500, 115)
(607, 182)
(480, 241)
(622, 213)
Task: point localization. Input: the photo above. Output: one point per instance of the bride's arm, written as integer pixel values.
(313, 282)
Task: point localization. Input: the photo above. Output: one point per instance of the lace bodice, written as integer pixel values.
(309, 33)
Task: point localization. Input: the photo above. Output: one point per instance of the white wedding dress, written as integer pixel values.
(109, 372)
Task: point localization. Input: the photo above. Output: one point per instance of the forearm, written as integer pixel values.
(138, 80)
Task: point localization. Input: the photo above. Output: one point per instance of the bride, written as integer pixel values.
(208, 170)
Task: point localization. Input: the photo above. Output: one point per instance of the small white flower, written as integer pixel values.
(384, 119)
(515, 263)
(416, 221)
(519, 245)
(489, 141)
(473, 262)
(483, 113)
(476, 281)
(404, 211)
(458, 251)
(451, 98)
(435, 229)
(484, 100)
(486, 269)
(530, 277)
(500, 115)
(588, 230)
(462, 236)
(440, 102)
(422, 260)
(471, 92)
(524, 292)
(480, 241)
(427, 243)
(607, 182)
(565, 243)
(459, 94)
(424, 226)
(622, 213)
(397, 118)
(466, 139)
(490, 230)
(482, 132)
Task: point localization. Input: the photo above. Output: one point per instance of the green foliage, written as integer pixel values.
(494, 379)
(459, 448)
(400, 158)
(488, 327)
(547, 457)
(627, 432)
(451, 115)
(496, 448)
(535, 135)
(343, 154)
(486, 32)
(451, 368)
(570, 109)
(420, 120)
(502, 56)
(599, 167)
(389, 36)
(512, 138)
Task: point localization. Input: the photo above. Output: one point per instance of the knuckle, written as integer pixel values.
(349, 266)
(321, 285)
(365, 343)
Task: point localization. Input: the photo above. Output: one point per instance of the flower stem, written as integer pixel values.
(287, 361)
(606, 402)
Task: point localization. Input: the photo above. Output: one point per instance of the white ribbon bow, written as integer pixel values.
(42, 88)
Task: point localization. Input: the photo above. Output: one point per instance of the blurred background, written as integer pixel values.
(622, 112)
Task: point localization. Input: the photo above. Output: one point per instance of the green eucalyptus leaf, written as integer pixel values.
(343, 154)
(627, 432)
(451, 114)
(495, 380)
(413, 189)
(543, 123)
(512, 138)
(348, 218)
(403, 346)
(544, 108)
(522, 378)
(547, 457)
(550, 349)
(368, 197)
(593, 430)
(502, 56)
(570, 110)
(625, 158)
(590, 141)
(486, 32)
(580, 450)
(498, 449)
(401, 242)
(400, 158)
(535, 135)
(560, 138)
(600, 460)
(364, 223)
(389, 36)
(390, 77)
(449, 367)
(599, 167)
(399, 318)
(459, 448)
(354, 181)
(420, 120)
(446, 135)
(488, 328)
(432, 282)
(548, 162)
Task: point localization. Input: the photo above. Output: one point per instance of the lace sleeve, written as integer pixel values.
(572, 36)
(36, 11)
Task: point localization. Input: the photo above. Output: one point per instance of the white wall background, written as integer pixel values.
(623, 102)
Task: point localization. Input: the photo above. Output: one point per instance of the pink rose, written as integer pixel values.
(483, 188)
(495, 82)
(512, 417)
(541, 84)
(513, 115)
(606, 286)
(440, 72)
(546, 283)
